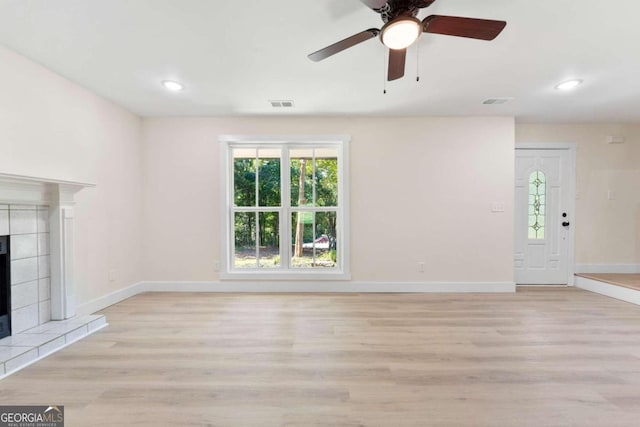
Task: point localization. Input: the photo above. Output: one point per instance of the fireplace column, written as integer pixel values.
(61, 222)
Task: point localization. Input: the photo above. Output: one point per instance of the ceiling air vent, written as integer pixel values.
(281, 103)
(497, 101)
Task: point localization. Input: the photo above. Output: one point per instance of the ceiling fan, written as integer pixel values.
(402, 29)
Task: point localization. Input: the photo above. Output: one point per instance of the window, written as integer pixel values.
(285, 207)
(537, 205)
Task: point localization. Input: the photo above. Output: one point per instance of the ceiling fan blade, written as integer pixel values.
(483, 29)
(397, 59)
(375, 4)
(344, 44)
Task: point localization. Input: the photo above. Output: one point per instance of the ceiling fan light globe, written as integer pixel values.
(401, 33)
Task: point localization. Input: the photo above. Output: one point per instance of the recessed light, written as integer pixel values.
(569, 85)
(172, 85)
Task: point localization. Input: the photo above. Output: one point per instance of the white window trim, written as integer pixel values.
(226, 177)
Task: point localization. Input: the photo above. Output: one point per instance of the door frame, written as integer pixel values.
(571, 147)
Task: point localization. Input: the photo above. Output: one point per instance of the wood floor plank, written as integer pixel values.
(539, 357)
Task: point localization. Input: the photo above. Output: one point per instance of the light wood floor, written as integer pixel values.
(631, 281)
(540, 357)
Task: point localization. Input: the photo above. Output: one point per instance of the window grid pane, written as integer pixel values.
(301, 177)
(269, 185)
(314, 239)
(244, 179)
(245, 254)
(326, 177)
(269, 232)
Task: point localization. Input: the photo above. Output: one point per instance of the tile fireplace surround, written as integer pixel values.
(28, 228)
(37, 214)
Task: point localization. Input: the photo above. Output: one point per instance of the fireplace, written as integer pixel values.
(37, 280)
(43, 283)
(5, 287)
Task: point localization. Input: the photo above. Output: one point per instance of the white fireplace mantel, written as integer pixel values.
(58, 195)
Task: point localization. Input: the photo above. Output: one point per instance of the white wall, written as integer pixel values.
(607, 231)
(50, 127)
(421, 188)
(421, 191)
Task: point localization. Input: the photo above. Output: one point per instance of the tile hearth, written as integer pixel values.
(20, 350)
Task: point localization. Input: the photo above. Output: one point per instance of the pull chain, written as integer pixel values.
(417, 63)
(384, 69)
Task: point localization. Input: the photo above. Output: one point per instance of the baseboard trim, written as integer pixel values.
(606, 289)
(333, 287)
(608, 268)
(295, 287)
(105, 301)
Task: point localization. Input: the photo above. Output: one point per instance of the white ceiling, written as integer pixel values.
(234, 56)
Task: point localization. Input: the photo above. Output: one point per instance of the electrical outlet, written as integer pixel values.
(112, 275)
(497, 207)
(216, 265)
(421, 267)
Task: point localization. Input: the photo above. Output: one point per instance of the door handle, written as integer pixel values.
(566, 223)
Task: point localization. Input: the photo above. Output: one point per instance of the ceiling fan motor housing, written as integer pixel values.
(395, 8)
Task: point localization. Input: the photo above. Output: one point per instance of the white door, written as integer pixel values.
(543, 220)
